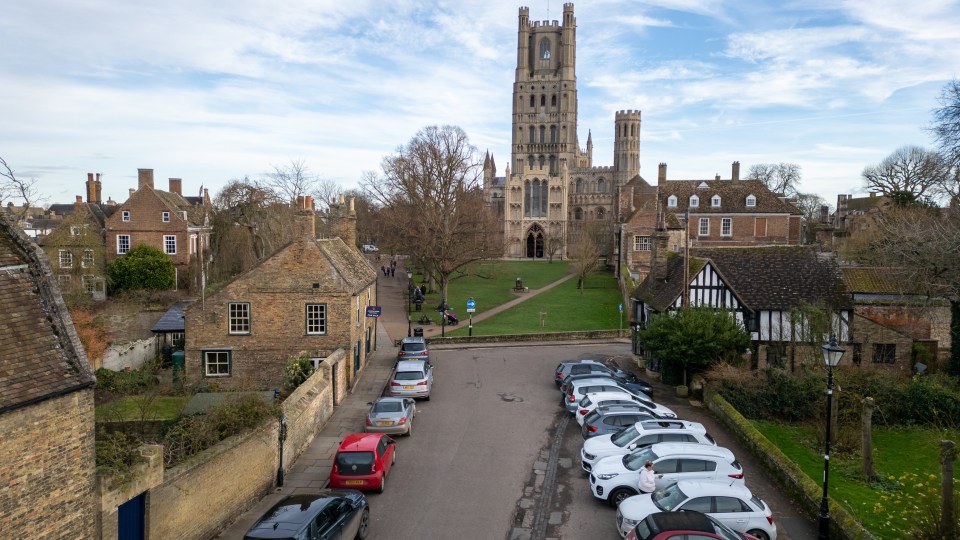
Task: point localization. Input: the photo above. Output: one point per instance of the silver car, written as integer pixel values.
(391, 415)
(411, 378)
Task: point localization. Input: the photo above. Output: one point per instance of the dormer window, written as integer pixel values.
(751, 201)
(672, 201)
(715, 201)
(126, 215)
(694, 201)
(166, 217)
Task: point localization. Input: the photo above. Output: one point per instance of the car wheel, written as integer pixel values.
(383, 483)
(364, 523)
(619, 494)
(427, 398)
(759, 534)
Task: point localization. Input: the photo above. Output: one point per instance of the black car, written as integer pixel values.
(660, 522)
(327, 514)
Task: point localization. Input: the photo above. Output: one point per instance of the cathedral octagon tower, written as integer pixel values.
(551, 191)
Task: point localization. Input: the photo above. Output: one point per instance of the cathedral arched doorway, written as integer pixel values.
(535, 242)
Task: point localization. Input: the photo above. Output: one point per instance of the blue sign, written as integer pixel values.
(471, 304)
(373, 311)
(620, 307)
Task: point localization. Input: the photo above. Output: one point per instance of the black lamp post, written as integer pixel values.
(409, 293)
(281, 436)
(831, 356)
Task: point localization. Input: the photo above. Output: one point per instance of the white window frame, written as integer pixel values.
(165, 216)
(66, 258)
(726, 226)
(238, 318)
(751, 201)
(89, 282)
(75, 230)
(672, 201)
(123, 247)
(704, 227)
(170, 244)
(193, 244)
(715, 201)
(315, 319)
(694, 201)
(64, 279)
(87, 261)
(125, 215)
(221, 359)
(641, 243)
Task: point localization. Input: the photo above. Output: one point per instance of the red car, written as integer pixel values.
(363, 461)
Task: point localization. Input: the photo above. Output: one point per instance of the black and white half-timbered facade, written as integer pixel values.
(765, 288)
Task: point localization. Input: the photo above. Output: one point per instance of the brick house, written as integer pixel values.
(47, 450)
(307, 299)
(764, 287)
(177, 225)
(716, 213)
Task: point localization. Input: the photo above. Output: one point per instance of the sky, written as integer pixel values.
(211, 91)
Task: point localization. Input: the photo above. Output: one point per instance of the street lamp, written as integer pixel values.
(831, 357)
(409, 293)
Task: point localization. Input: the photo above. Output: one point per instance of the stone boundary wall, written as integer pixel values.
(519, 338)
(786, 473)
(205, 494)
(131, 355)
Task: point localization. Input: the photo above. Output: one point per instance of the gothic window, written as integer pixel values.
(601, 186)
(553, 134)
(532, 103)
(535, 198)
(530, 162)
(633, 132)
(543, 134)
(526, 198)
(544, 49)
(543, 100)
(553, 164)
(672, 201)
(542, 161)
(600, 213)
(532, 140)
(553, 100)
(579, 188)
(578, 213)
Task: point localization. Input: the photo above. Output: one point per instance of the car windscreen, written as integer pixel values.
(354, 463)
(624, 436)
(408, 376)
(413, 347)
(591, 418)
(387, 407)
(636, 460)
(668, 498)
(585, 402)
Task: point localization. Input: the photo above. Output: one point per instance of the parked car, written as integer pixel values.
(615, 478)
(326, 515)
(363, 461)
(577, 389)
(679, 524)
(589, 402)
(391, 415)
(587, 366)
(612, 418)
(731, 504)
(411, 378)
(641, 434)
(413, 348)
(641, 389)
(370, 248)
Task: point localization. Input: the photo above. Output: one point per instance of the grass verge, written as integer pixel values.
(142, 408)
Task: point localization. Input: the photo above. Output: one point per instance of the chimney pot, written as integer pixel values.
(79, 199)
(89, 177)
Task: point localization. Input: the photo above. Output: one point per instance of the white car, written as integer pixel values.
(642, 434)
(733, 505)
(615, 478)
(580, 388)
(591, 401)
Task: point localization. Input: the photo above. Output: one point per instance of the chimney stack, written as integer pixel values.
(144, 178)
(99, 190)
(658, 259)
(717, 177)
(79, 199)
(91, 188)
(176, 186)
(662, 175)
(735, 175)
(132, 191)
(305, 218)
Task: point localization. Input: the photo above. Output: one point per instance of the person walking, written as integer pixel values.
(648, 478)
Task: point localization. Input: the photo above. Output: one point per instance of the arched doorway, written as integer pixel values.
(535, 242)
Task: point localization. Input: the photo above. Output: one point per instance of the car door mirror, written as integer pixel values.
(632, 446)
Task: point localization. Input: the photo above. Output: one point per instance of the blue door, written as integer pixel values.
(130, 518)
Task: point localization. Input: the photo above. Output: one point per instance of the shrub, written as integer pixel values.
(296, 372)
(143, 267)
(117, 453)
(126, 382)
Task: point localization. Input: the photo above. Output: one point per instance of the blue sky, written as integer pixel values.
(210, 91)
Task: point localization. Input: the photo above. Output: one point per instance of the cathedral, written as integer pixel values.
(551, 192)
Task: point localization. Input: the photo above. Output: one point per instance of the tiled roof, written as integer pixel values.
(865, 203)
(40, 353)
(871, 280)
(352, 265)
(660, 294)
(733, 197)
(779, 277)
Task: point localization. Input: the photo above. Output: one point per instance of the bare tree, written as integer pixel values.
(782, 178)
(909, 174)
(433, 205)
(809, 205)
(13, 187)
(584, 256)
(946, 123)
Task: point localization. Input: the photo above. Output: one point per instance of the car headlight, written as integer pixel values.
(589, 457)
(607, 476)
(629, 523)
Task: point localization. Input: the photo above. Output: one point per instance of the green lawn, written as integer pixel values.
(493, 286)
(906, 460)
(566, 309)
(142, 408)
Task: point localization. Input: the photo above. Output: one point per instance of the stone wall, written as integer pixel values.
(47, 469)
(112, 494)
(204, 495)
(130, 355)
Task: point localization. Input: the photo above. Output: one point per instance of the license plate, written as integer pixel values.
(384, 423)
(409, 387)
(353, 482)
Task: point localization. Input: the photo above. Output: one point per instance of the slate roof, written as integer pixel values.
(733, 197)
(780, 277)
(40, 354)
(172, 319)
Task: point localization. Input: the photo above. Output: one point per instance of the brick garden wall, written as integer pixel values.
(47, 469)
